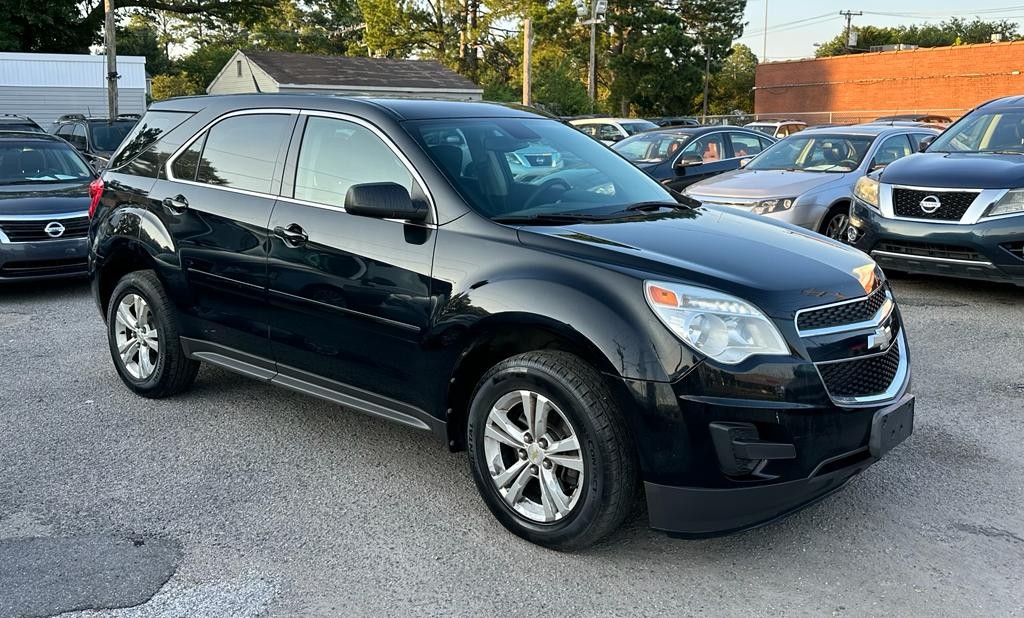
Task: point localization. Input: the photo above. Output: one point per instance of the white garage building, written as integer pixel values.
(46, 86)
(264, 71)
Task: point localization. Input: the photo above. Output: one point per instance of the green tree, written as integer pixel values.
(178, 85)
(732, 87)
(954, 31)
(140, 37)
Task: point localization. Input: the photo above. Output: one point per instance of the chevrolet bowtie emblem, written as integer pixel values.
(880, 339)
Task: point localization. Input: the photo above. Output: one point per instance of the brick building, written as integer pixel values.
(941, 80)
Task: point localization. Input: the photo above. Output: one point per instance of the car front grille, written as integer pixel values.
(862, 377)
(844, 314)
(539, 160)
(41, 268)
(35, 230)
(930, 250)
(951, 204)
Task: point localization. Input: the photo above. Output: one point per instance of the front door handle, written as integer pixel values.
(293, 235)
(178, 203)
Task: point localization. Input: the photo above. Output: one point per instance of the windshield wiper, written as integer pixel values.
(552, 217)
(655, 206)
(1013, 152)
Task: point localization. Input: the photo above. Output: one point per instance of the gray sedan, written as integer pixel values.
(807, 179)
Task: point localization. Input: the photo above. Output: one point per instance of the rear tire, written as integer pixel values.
(574, 483)
(143, 336)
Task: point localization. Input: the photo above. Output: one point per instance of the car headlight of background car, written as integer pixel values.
(866, 190)
(1010, 204)
(778, 204)
(723, 327)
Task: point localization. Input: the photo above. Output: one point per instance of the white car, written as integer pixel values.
(777, 128)
(610, 130)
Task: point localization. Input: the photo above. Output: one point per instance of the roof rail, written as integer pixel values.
(66, 117)
(19, 116)
(130, 116)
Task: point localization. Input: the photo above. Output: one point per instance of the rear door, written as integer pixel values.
(216, 203)
(350, 294)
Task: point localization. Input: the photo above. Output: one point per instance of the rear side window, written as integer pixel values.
(146, 132)
(744, 145)
(241, 152)
(336, 154)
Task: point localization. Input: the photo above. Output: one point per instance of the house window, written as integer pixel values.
(238, 67)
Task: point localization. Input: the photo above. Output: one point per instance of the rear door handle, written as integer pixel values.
(292, 235)
(178, 203)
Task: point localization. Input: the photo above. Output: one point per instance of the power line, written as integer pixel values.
(794, 25)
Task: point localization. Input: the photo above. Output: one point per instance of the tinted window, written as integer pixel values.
(187, 163)
(336, 154)
(78, 136)
(146, 133)
(107, 136)
(651, 147)
(37, 162)
(710, 147)
(608, 132)
(895, 147)
(744, 145)
(241, 152)
(589, 178)
(632, 128)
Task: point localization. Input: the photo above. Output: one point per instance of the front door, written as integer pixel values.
(350, 294)
(216, 204)
(716, 158)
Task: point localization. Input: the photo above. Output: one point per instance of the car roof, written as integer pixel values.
(867, 129)
(24, 135)
(701, 130)
(768, 122)
(396, 109)
(1011, 101)
(607, 119)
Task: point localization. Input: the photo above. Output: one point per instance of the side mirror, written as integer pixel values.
(925, 143)
(383, 200)
(744, 161)
(688, 160)
(877, 166)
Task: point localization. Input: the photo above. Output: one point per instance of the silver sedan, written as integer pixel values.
(807, 179)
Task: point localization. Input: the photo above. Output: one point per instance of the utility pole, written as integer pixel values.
(108, 39)
(764, 32)
(849, 15)
(527, 59)
(707, 74)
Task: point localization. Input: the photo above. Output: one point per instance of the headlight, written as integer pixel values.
(1009, 204)
(723, 327)
(767, 207)
(866, 190)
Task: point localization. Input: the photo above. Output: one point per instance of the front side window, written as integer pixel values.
(710, 148)
(241, 152)
(893, 148)
(651, 147)
(815, 153)
(999, 130)
(336, 154)
(38, 162)
(590, 179)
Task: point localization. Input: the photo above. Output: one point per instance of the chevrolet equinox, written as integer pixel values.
(588, 337)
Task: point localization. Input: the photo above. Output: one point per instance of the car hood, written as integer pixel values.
(957, 171)
(777, 266)
(44, 199)
(757, 184)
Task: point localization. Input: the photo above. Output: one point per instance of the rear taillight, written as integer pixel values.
(95, 193)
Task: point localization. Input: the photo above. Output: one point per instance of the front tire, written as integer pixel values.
(143, 337)
(550, 452)
(835, 223)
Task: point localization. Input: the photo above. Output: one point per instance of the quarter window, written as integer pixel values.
(187, 163)
(336, 154)
(241, 152)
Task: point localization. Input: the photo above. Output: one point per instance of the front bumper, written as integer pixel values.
(976, 251)
(48, 259)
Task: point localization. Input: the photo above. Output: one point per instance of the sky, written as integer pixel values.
(794, 26)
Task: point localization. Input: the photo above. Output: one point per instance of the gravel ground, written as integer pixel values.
(283, 505)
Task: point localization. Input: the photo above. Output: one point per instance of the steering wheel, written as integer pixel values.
(850, 163)
(543, 188)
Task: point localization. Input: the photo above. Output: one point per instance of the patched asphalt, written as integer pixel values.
(282, 505)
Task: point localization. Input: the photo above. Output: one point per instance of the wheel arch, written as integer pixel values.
(129, 240)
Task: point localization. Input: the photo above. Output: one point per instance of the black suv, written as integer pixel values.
(956, 209)
(95, 138)
(584, 336)
(17, 122)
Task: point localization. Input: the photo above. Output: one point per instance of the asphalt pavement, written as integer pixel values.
(241, 499)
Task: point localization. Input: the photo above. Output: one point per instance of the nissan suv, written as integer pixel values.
(587, 338)
(957, 209)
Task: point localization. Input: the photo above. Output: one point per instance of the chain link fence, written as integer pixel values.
(829, 118)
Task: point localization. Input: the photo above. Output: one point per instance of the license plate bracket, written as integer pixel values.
(891, 425)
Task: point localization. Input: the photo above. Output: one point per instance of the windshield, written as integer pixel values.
(20, 126)
(588, 178)
(815, 153)
(999, 130)
(23, 162)
(106, 137)
(651, 147)
(638, 126)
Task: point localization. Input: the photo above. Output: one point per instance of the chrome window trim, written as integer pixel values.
(895, 389)
(299, 112)
(928, 258)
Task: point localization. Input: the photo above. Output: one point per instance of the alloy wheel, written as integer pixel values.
(836, 228)
(533, 456)
(137, 337)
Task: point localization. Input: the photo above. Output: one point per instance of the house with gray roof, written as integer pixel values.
(262, 71)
